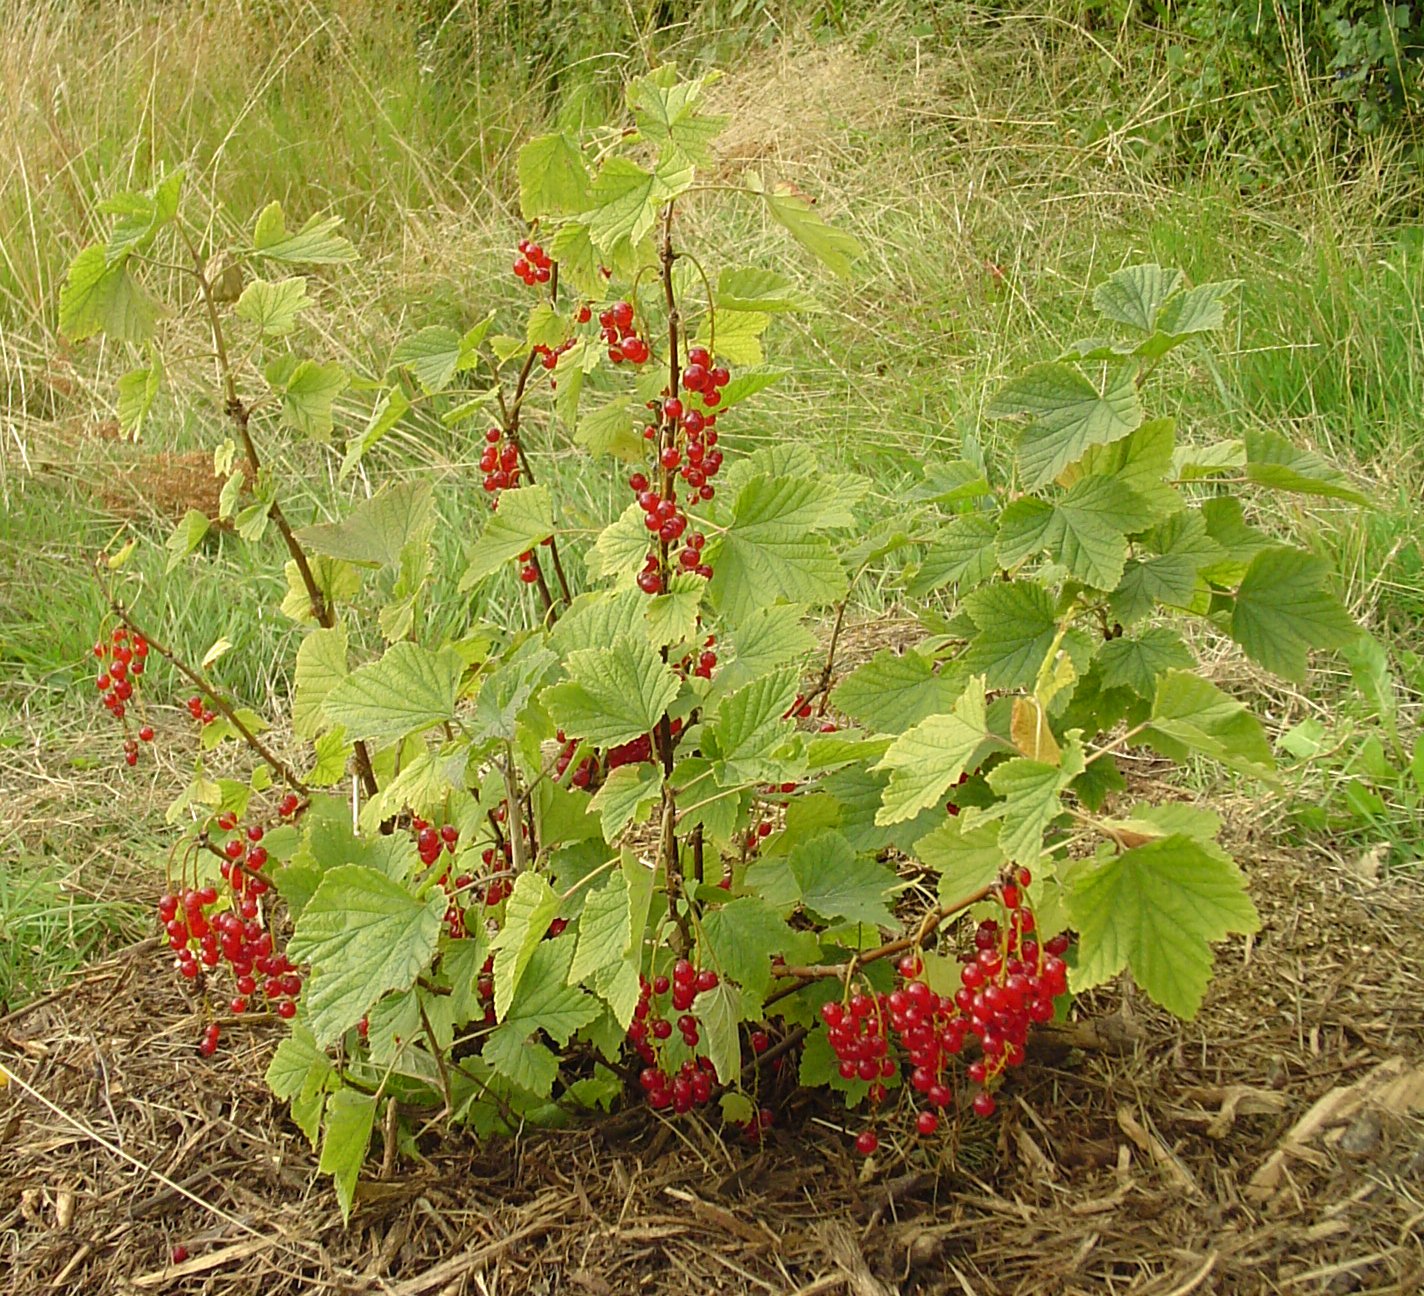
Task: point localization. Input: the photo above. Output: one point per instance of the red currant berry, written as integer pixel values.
(866, 1142)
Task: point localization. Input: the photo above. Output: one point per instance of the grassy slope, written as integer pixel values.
(994, 171)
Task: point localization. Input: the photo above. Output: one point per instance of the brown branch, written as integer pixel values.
(220, 704)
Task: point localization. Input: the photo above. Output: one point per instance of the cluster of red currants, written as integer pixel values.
(532, 264)
(200, 710)
(801, 709)
(691, 1085)
(1008, 983)
(431, 841)
(499, 462)
(621, 334)
(549, 356)
(122, 660)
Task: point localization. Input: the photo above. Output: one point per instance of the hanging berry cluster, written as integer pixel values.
(499, 462)
(431, 843)
(1007, 984)
(122, 659)
(621, 334)
(532, 264)
(691, 1085)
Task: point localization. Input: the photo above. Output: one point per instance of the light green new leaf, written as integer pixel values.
(505, 691)
(1283, 610)
(893, 692)
(350, 1116)
(321, 666)
(1198, 310)
(628, 793)
(1167, 567)
(747, 383)
(524, 518)
(528, 911)
(141, 215)
(836, 883)
(392, 406)
(924, 761)
(738, 337)
(621, 547)
(596, 619)
(749, 728)
(834, 248)
(1271, 460)
(626, 199)
(672, 616)
(1031, 791)
(316, 243)
(101, 298)
(750, 289)
(1156, 909)
(364, 935)
(137, 392)
(1017, 627)
(1143, 462)
(377, 530)
(611, 430)
(545, 1001)
(274, 307)
(719, 1011)
(408, 689)
(764, 640)
(1192, 714)
(434, 355)
(1085, 529)
(308, 393)
(1069, 416)
(187, 536)
(965, 859)
(605, 927)
(613, 694)
(553, 179)
(1134, 295)
(667, 114)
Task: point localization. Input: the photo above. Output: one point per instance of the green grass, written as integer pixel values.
(995, 168)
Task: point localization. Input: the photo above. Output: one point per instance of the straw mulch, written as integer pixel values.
(1274, 1145)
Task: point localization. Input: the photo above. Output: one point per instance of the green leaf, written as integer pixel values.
(672, 616)
(137, 392)
(1031, 792)
(764, 640)
(621, 547)
(544, 1002)
(316, 243)
(667, 114)
(389, 409)
(1016, 629)
(408, 689)
(531, 906)
(377, 530)
(965, 859)
(613, 694)
(747, 383)
(308, 393)
(836, 883)
(1283, 610)
(331, 751)
(1137, 662)
(1069, 416)
(834, 248)
(893, 692)
(142, 215)
(605, 927)
(611, 430)
(1085, 529)
(741, 937)
(350, 1116)
(1198, 310)
(553, 180)
(737, 337)
(751, 289)
(961, 553)
(768, 550)
(1271, 460)
(1143, 462)
(924, 761)
(749, 729)
(505, 691)
(1190, 713)
(321, 666)
(1156, 909)
(595, 619)
(525, 517)
(1167, 567)
(1134, 295)
(101, 298)
(364, 935)
(627, 199)
(273, 307)
(434, 355)
(719, 1011)
(186, 537)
